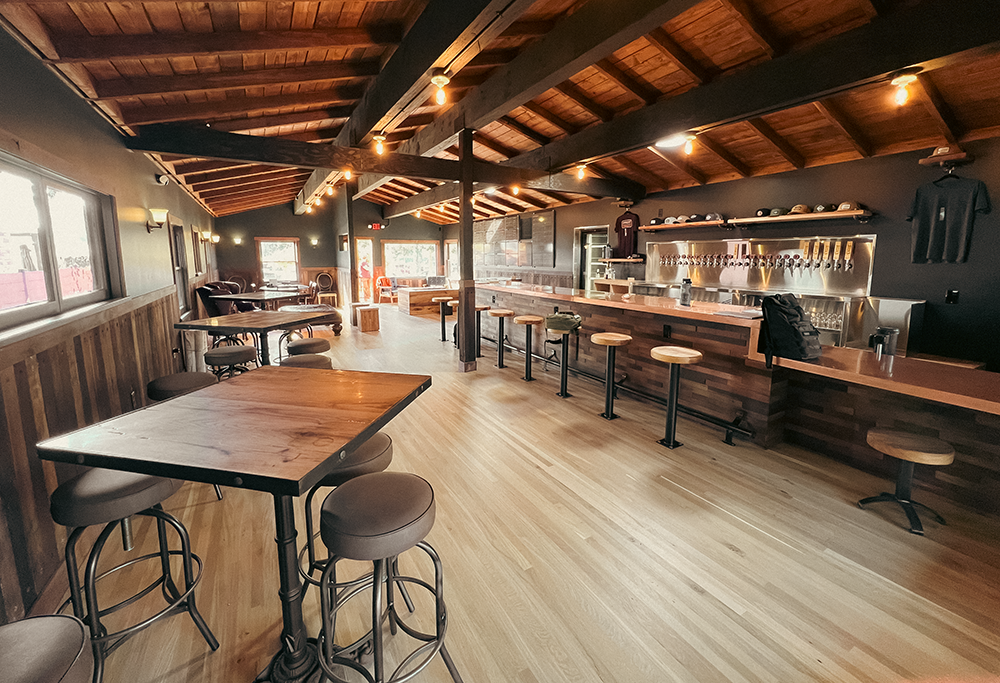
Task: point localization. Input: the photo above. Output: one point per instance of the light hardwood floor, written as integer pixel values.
(580, 550)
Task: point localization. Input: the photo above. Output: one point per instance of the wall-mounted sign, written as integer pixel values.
(375, 226)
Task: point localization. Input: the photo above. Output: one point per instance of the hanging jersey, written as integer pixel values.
(942, 213)
(626, 229)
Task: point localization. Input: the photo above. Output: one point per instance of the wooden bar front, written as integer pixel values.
(417, 300)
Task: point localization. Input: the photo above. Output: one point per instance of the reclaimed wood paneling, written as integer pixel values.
(89, 369)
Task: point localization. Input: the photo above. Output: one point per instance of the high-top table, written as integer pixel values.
(264, 297)
(253, 322)
(276, 429)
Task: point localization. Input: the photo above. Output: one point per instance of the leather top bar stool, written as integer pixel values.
(612, 340)
(228, 360)
(528, 321)
(443, 301)
(307, 345)
(908, 449)
(111, 498)
(500, 314)
(46, 649)
(675, 356)
(308, 360)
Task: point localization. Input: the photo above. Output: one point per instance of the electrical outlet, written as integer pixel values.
(951, 296)
(494, 299)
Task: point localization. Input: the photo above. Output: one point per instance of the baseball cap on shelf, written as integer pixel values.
(655, 221)
(778, 211)
(682, 219)
(849, 206)
(670, 220)
(820, 208)
(763, 212)
(800, 208)
(945, 151)
(713, 217)
(695, 218)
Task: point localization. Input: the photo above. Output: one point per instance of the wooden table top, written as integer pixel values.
(261, 296)
(274, 429)
(250, 321)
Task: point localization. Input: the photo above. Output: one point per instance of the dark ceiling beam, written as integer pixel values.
(850, 132)
(745, 16)
(163, 85)
(229, 174)
(528, 199)
(874, 8)
(528, 29)
(724, 155)
(215, 109)
(275, 120)
(524, 130)
(646, 94)
(662, 41)
(263, 176)
(588, 105)
(555, 196)
(939, 110)
(681, 165)
(183, 168)
(932, 33)
(85, 48)
(313, 135)
(777, 142)
(557, 121)
(593, 32)
(490, 59)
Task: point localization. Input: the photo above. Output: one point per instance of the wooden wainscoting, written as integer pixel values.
(89, 369)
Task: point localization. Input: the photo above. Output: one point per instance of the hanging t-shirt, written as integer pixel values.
(942, 213)
(626, 229)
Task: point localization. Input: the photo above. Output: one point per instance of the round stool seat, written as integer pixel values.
(439, 299)
(308, 360)
(453, 302)
(374, 455)
(377, 515)
(610, 339)
(501, 313)
(179, 383)
(49, 649)
(230, 355)
(923, 450)
(676, 354)
(482, 307)
(307, 345)
(528, 320)
(99, 496)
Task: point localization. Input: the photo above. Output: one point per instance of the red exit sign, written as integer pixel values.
(375, 226)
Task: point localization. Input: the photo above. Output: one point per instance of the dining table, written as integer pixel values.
(258, 323)
(266, 298)
(274, 429)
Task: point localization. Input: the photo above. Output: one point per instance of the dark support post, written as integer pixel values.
(444, 315)
(668, 439)
(609, 386)
(527, 354)
(467, 288)
(500, 342)
(564, 367)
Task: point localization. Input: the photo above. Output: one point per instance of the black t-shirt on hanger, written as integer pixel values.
(626, 229)
(942, 213)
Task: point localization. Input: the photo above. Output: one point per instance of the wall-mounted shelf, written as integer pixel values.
(624, 260)
(676, 226)
(861, 216)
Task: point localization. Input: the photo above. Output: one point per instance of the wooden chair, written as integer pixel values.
(385, 289)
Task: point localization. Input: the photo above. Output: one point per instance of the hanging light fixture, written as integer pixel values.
(689, 145)
(677, 140)
(581, 171)
(902, 79)
(309, 208)
(329, 190)
(418, 213)
(514, 190)
(440, 79)
(319, 202)
(379, 144)
(347, 174)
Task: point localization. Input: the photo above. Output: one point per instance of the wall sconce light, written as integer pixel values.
(379, 144)
(237, 241)
(206, 235)
(161, 217)
(216, 238)
(314, 242)
(901, 79)
(440, 79)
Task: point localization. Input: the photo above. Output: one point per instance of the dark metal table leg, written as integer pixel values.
(265, 353)
(564, 367)
(675, 382)
(500, 339)
(609, 386)
(527, 354)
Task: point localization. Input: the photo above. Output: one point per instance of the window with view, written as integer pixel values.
(410, 259)
(52, 251)
(279, 259)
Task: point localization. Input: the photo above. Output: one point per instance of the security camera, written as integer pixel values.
(162, 179)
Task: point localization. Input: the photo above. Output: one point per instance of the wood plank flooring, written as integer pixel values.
(579, 550)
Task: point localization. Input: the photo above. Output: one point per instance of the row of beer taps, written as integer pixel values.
(784, 261)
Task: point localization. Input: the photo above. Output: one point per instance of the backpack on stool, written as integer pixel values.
(786, 331)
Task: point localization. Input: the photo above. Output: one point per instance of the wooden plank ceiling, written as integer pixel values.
(323, 72)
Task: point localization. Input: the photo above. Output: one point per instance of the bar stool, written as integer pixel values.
(307, 345)
(908, 449)
(228, 360)
(168, 386)
(500, 314)
(479, 328)
(308, 360)
(612, 340)
(454, 304)
(443, 301)
(376, 517)
(528, 321)
(674, 355)
(563, 362)
(47, 649)
(111, 498)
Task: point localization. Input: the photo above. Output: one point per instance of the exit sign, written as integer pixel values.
(375, 226)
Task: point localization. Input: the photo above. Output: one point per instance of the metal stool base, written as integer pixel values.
(904, 485)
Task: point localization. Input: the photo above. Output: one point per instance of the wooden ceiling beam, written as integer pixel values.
(588, 105)
(250, 203)
(185, 167)
(275, 120)
(524, 130)
(662, 41)
(261, 177)
(217, 109)
(223, 80)
(933, 33)
(681, 165)
(528, 29)
(836, 118)
(230, 173)
(262, 188)
(555, 196)
(528, 199)
(874, 8)
(86, 48)
(724, 155)
(939, 110)
(490, 143)
(745, 16)
(557, 121)
(646, 94)
(776, 142)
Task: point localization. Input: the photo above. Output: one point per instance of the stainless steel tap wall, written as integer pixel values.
(829, 266)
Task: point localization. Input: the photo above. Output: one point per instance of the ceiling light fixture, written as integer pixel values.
(491, 190)
(237, 240)
(379, 144)
(440, 79)
(514, 190)
(319, 202)
(347, 174)
(418, 213)
(329, 190)
(689, 145)
(675, 140)
(309, 208)
(581, 171)
(901, 79)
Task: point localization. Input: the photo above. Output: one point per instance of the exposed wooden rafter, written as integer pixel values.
(557, 121)
(777, 143)
(524, 130)
(939, 110)
(232, 106)
(588, 105)
(745, 15)
(646, 94)
(831, 112)
(662, 41)
(682, 166)
(724, 155)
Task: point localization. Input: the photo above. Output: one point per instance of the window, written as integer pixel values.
(416, 258)
(52, 251)
(279, 259)
(453, 267)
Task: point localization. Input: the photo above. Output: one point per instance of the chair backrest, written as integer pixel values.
(325, 281)
(214, 307)
(383, 281)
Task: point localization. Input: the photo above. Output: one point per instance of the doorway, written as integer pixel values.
(178, 253)
(590, 246)
(364, 264)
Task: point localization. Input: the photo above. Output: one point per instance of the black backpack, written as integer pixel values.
(786, 331)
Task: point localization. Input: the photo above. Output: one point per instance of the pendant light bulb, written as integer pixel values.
(901, 81)
(418, 213)
(379, 144)
(580, 171)
(902, 96)
(514, 190)
(329, 190)
(347, 174)
(309, 209)
(319, 202)
(689, 146)
(440, 80)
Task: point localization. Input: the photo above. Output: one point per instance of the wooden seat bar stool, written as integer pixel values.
(479, 328)
(674, 356)
(528, 321)
(909, 449)
(443, 301)
(500, 314)
(612, 340)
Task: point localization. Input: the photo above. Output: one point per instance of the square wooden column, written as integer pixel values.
(467, 286)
